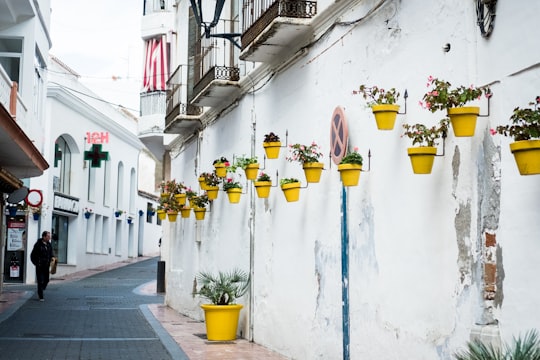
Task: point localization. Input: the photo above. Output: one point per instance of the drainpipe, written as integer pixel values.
(345, 276)
(252, 230)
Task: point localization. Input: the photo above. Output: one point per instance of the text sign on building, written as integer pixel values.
(66, 203)
(97, 137)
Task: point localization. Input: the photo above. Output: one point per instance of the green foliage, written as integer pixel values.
(304, 153)
(424, 136)
(199, 201)
(271, 137)
(352, 158)
(525, 124)
(229, 183)
(223, 288)
(442, 97)
(263, 177)
(242, 162)
(222, 160)
(210, 179)
(527, 348)
(378, 96)
(288, 181)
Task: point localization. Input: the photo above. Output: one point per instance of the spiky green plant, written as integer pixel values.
(527, 348)
(223, 288)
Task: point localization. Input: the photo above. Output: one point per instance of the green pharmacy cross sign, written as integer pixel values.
(95, 155)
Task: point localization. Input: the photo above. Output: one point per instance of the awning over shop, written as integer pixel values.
(18, 156)
(156, 65)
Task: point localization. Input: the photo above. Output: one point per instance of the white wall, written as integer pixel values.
(416, 241)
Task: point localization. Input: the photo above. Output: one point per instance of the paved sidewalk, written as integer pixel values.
(186, 332)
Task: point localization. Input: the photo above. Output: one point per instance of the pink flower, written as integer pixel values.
(489, 94)
(355, 149)
(492, 131)
(435, 93)
(430, 78)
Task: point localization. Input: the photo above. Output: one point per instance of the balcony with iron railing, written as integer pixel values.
(274, 28)
(181, 117)
(216, 70)
(158, 18)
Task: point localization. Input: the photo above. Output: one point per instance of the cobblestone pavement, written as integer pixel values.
(110, 312)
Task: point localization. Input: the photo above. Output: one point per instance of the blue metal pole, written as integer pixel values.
(345, 276)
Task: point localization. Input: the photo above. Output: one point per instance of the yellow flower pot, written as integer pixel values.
(463, 120)
(199, 213)
(185, 212)
(422, 158)
(313, 171)
(221, 321)
(165, 195)
(202, 183)
(251, 171)
(221, 170)
(385, 115)
(527, 156)
(172, 215)
(263, 188)
(272, 149)
(350, 174)
(180, 199)
(212, 192)
(291, 191)
(161, 214)
(234, 195)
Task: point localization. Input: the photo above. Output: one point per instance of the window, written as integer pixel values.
(10, 57)
(120, 187)
(63, 161)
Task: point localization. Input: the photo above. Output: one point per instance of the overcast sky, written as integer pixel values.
(100, 39)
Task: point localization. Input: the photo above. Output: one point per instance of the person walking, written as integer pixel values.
(41, 257)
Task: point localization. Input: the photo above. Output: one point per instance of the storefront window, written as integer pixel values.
(59, 237)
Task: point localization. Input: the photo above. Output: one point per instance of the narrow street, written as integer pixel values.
(103, 316)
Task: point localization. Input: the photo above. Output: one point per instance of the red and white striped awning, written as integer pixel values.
(156, 65)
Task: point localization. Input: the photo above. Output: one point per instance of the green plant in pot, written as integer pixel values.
(249, 164)
(262, 184)
(382, 103)
(222, 290)
(271, 144)
(290, 188)
(525, 130)
(350, 167)
(422, 157)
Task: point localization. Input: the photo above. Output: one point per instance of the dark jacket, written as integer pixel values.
(41, 254)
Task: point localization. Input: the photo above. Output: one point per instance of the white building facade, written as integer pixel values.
(402, 266)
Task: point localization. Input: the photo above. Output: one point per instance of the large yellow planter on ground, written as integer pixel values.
(234, 195)
(463, 120)
(385, 115)
(527, 156)
(291, 191)
(263, 188)
(221, 321)
(313, 171)
(350, 174)
(272, 149)
(422, 158)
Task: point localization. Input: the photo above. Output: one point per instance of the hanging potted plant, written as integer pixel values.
(202, 179)
(118, 212)
(350, 167)
(382, 103)
(88, 212)
(185, 211)
(442, 97)
(263, 184)
(525, 129)
(222, 290)
(422, 157)
(36, 212)
(308, 156)
(189, 195)
(129, 219)
(271, 144)
(178, 191)
(199, 206)
(233, 189)
(220, 166)
(161, 212)
(290, 188)
(248, 164)
(211, 185)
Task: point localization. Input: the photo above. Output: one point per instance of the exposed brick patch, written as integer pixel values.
(490, 267)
